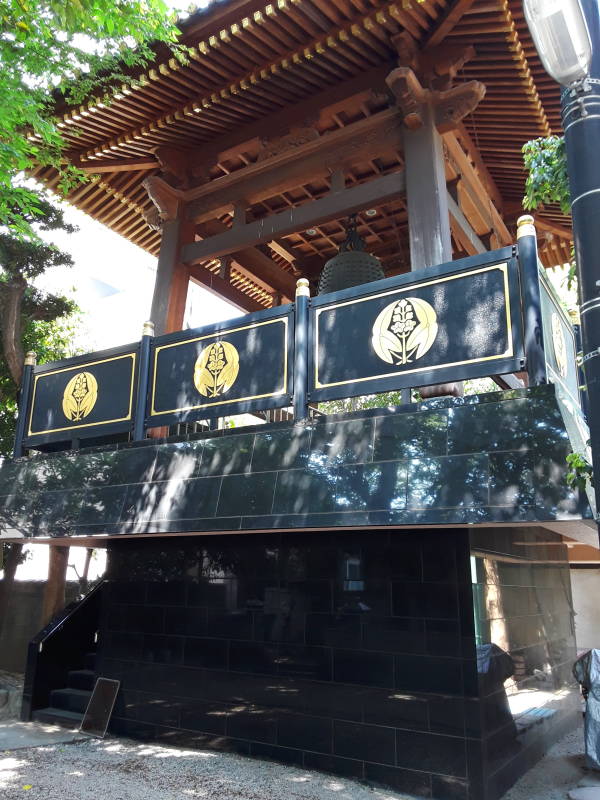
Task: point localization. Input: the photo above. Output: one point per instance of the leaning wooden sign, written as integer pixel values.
(229, 368)
(458, 321)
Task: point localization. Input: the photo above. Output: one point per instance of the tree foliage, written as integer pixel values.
(57, 52)
(29, 318)
(547, 179)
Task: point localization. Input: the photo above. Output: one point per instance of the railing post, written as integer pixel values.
(301, 350)
(26, 381)
(532, 305)
(139, 424)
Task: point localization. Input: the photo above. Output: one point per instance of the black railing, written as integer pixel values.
(59, 647)
(482, 316)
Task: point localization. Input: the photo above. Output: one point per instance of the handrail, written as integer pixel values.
(60, 619)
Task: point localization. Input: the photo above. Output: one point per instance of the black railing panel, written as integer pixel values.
(454, 321)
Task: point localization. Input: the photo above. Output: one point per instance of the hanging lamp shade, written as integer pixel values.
(351, 266)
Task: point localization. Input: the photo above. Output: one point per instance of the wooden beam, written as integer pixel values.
(116, 165)
(557, 230)
(223, 288)
(467, 236)
(332, 206)
(258, 265)
(449, 20)
(362, 140)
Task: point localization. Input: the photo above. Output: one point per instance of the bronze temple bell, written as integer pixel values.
(351, 266)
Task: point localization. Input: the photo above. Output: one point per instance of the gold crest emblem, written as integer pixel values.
(404, 331)
(80, 396)
(216, 369)
(560, 345)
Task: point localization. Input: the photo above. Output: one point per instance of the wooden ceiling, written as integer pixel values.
(258, 69)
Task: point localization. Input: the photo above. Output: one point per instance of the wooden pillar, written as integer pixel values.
(426, 194)
(54, 591)
(172, 277)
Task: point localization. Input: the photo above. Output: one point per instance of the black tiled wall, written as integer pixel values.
(479, 459)
(351, 652)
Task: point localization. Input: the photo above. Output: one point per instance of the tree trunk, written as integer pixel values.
(83, 580)
(12, 347)
(54, 591)
(12, 559)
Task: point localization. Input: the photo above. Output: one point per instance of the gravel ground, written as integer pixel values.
(119, 769)
(557, 773)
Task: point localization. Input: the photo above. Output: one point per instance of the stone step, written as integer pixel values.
(81, 679)
(58, 716)
(70, 699)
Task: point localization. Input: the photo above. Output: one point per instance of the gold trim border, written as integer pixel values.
(283, 390)
(503, 267)
(572, 340)
(132, 356)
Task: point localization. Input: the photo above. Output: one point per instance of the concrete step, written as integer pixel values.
(58, 716)
(70, 699)
(81, 679)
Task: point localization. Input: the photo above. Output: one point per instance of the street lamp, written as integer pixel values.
(561, 37)
(567, 37)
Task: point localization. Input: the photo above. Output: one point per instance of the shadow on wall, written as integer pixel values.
(23, 621)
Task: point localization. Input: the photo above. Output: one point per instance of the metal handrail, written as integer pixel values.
(58, 621)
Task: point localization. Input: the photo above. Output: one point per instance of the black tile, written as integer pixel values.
(258, 724)
(443, 637)
(178, 461)
(229, 624)
(305, 733)
(342, 442)
(395, 709)
(270, 752)
(101, 505)
(189, 499)
(366, 742)
(125, 645)
(394, 634)
(436, 600)
(428, 674)
(209, 653)
(281, 449)
(511, 479)
(226, 455)
(253, 657)
(167, 593)
(490, 426)
(449, 788)
(371, 487)
(163, 650)
(130, 465)
(338, 630)
(405, 436)
(402, 780)
(310, 595)
(348, 767)
(313, 663)
(56, 512)
(432, 752)
(453, 481)
(247, 494)
(371, 669)
(305, 491)
(186, 621)
(199, 715)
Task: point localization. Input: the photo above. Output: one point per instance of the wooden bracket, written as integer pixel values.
(450, 106)
(166, 200)
(426, 77)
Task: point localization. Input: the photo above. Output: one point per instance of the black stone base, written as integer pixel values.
(349, 652)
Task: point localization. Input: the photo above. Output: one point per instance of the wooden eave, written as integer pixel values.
(255, 64)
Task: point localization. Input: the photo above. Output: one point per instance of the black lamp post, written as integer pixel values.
(567, 37)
